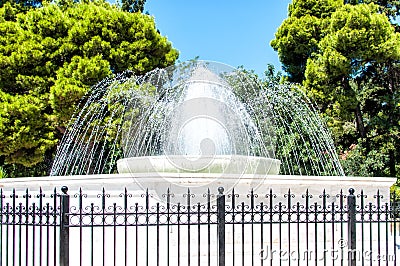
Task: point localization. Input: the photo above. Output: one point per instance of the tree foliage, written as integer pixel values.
(350, 67)
(298, 36)
(23, 4)
(391, 8)
(133, 6)
(51, 56)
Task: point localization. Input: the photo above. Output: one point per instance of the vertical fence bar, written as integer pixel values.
(1, 226)
(362, 227)
(280, 229)
(158, 233)
(270, 195)
(40, 196)
(387, 233)
(115, 232)
(168, 222)
(179, 232)
(233, 225)
(125, 226)
(147, 226)
(103, 220)
(33, 233)
(188, 226)
(298, 232)
(221, 226)
(395, 214)
(341, 204)
(14, 206)
(333, 221)
(262, 232)
(91, 233)
(7, 231)
(307, 197)
(64, 229)
(136, 234)
(198, 233)
(324, 196)
(47, 233)
(378, 197)
(316, 233)
(351, 208)
(370, 219)
(252, 196)
(242, 223)
(54, 218)
(20, 234)
(208, 227)
(80, 196)
(288, 210)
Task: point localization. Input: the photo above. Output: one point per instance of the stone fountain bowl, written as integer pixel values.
(221, 164)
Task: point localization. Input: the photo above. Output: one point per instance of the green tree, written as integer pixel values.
(359, 46)
(51, 56)
(350, 67)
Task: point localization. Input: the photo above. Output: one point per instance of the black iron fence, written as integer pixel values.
(132, 228)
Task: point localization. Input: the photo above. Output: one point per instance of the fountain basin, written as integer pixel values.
(221, 164)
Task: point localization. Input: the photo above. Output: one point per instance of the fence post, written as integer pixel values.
(351, 243)
(64, 229)
(221, 226)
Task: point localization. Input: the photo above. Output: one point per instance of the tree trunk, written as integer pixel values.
(360, 122)
(357, 111)
(392, 163)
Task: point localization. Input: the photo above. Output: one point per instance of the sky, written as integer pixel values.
(237, 33)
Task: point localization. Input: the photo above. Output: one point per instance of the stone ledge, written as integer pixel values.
(199, 183)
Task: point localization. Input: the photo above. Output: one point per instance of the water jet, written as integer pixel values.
(196, 117)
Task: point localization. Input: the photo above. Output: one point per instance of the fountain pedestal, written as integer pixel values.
(216, 164)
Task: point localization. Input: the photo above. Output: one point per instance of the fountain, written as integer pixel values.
(197, 117)
(197, 124)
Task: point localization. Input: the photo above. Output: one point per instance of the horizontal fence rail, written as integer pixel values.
(146, 228)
